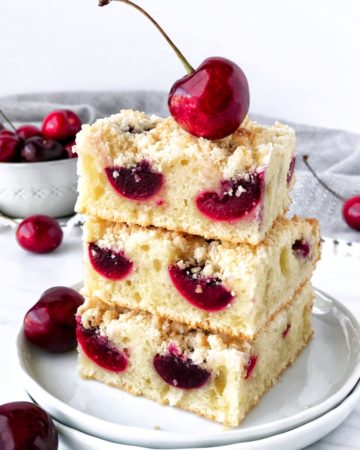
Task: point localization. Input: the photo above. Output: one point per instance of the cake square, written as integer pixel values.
(213, 375)
(218, 286)
(148, 171)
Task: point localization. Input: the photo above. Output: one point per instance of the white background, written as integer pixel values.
(301, 56)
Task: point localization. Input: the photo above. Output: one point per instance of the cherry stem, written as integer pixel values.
(188, 67)
(8, 120)
(323, 184)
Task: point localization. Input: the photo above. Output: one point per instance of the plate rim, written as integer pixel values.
(345, 408)
(165, 438)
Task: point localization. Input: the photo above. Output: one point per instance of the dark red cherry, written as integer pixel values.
(301, 248)
(250, 366)
(38, 149)
(50, 323)
(206, 293)
(100, 350)
(25, 426)
(39, 234)
(291, 169)
(180, 372)
(351, 212)
(212, 101)
(9, 147)
(136, 183)
(235, 200)
(108, 263)
(61, 125)
(28, 131)
(7, 133)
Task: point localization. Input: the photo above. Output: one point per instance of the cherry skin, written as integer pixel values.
(100, 350)
(351, 212)
(235, 200)
(212, 101)
(202, 292)
(25, 426)
(7, 133)
(180, 372)
(108, 263)
(28, 131)
(39, 234)
(38, 149)
(139, 183)
(9, 147)
(50, 323)
(250, 366)
(61, 125)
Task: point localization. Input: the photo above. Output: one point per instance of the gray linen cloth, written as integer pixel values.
(334, 154)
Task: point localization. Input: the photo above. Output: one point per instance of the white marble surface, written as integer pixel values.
(23, 277)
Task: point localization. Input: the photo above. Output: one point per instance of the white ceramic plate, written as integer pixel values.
(295, 439)
(319, 380)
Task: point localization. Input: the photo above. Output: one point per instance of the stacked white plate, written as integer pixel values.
(311, 399)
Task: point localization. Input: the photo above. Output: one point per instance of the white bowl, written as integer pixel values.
(38, 188)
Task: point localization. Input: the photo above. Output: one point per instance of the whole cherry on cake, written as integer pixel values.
(25, 426)
(351, 206)
(50, 323)
(211, 101)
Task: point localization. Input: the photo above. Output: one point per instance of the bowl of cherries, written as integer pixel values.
(38, 166)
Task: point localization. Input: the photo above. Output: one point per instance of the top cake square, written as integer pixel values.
(146, 170)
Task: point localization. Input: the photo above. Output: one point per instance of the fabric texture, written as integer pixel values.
(334, 154)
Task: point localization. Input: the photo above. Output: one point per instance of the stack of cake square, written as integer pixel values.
(197, 286)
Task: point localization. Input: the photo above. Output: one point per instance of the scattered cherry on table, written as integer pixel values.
(50, 323)
(211, 101)
(351, 206)
(26, 426)
(39, 234)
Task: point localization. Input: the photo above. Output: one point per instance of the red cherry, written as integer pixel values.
(212, 101)
(100, 350)
(9, 147)
(50, 323)
(139, 182)
(351, 206)
(205, 293)
(39, 234)
(180, 372)
(38, 149)
(108, 263)
(61, 125)
(7, 133)
(250, 366)
(69, 147)
(25, 426)
(351, 212)
(28, 131)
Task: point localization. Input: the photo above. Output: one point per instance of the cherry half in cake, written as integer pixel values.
(250, 366)
(99, 349)
(108, 263)
(139, 182)
(206, 293)
(301, 248)
(178, 371)
(236, 198)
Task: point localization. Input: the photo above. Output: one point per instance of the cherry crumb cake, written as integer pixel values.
(221, 287)
(214, 375)
(197, 286)
(145, 170)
